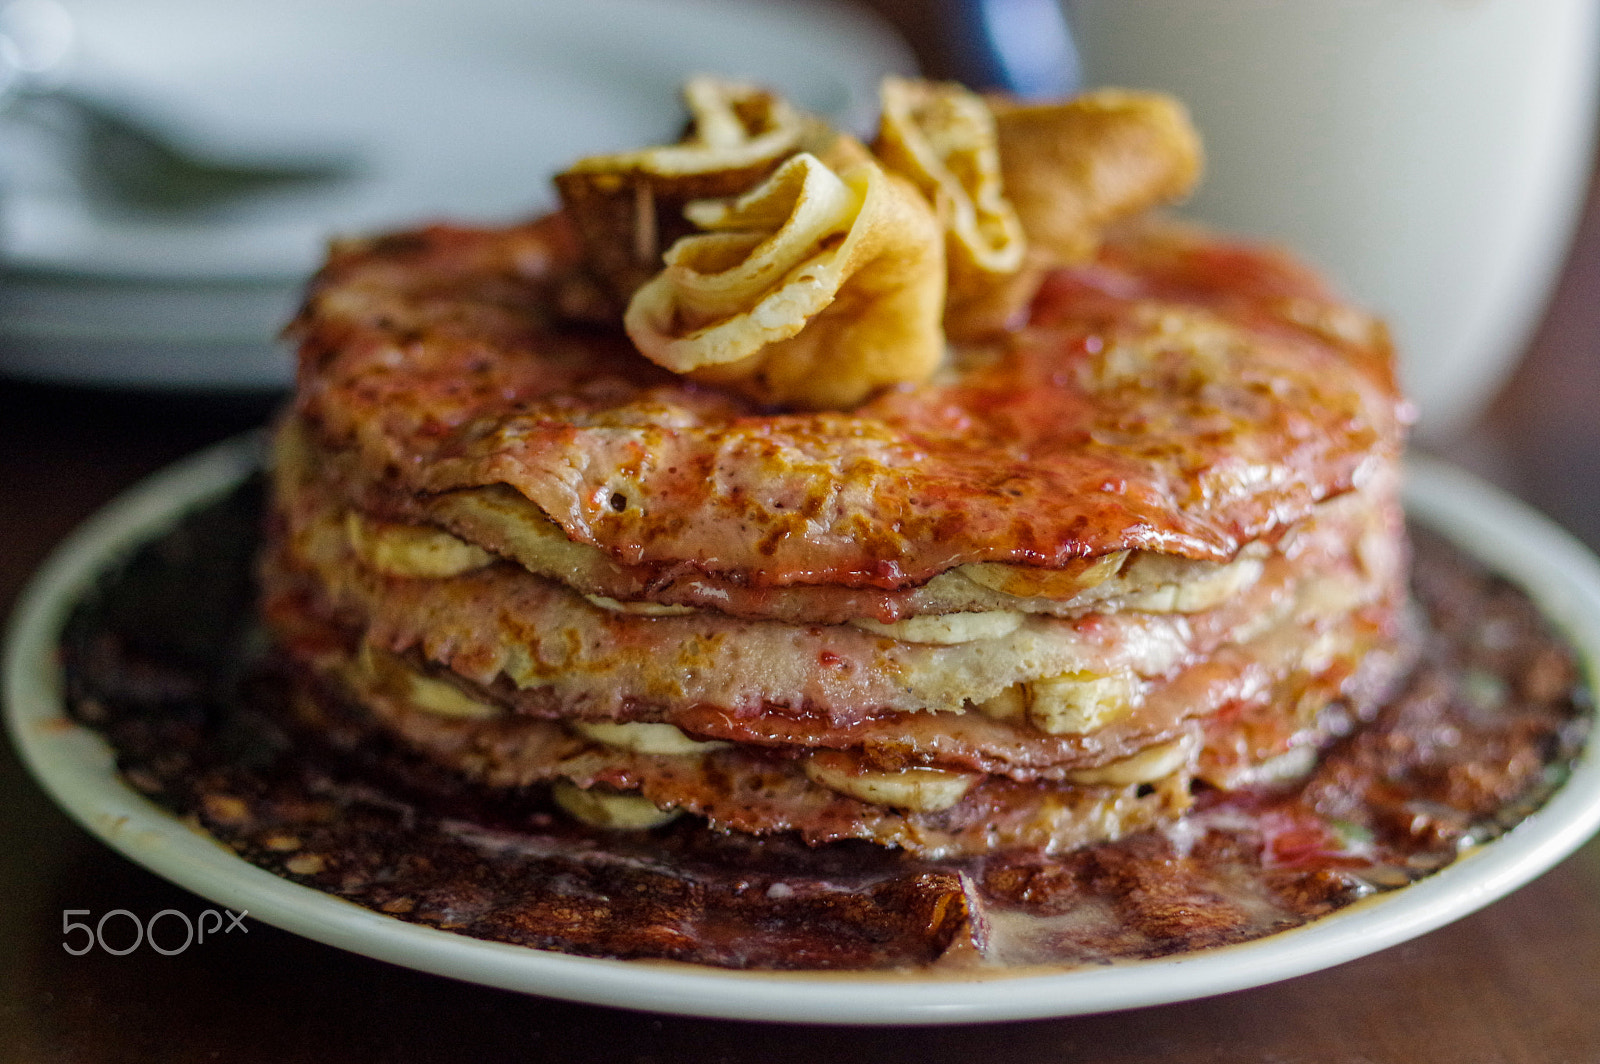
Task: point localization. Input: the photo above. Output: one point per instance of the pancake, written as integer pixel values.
(1132, 533)
(1182, 395)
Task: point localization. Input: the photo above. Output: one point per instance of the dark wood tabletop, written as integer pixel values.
(1518, 981)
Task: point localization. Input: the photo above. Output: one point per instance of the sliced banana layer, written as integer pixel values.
(639, 609)
(1070, 704)
(1147, 766)
(1141, 580)
(920, 790)
(615, 810)
(815, 289)
(378, 670)
(643, 738)
(396, 549)
(946, 629)
(517, 528)
(1010, 705)
(1167, 585)
(1026, 581)
(1079, 703)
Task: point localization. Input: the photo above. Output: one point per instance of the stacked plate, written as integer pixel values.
(418, 110)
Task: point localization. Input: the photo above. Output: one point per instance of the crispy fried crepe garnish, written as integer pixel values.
(794, 296)
(1023, 188)
(815, 289)
(1071, 169)
(628, 206)
(942, 137)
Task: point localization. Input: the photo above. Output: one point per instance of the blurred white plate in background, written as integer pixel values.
(458, 111)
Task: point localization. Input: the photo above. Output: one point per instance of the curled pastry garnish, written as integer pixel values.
(1071, 169)
(942, 137)
(629, 206)
(814, 289)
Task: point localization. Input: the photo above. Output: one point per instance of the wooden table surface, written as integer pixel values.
(1518, 981)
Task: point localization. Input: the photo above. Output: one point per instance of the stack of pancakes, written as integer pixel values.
(1143, 542)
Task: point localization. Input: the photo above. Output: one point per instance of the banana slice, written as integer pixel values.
(396, 549)
(639, 609)
(1028, 581)
(1010, 704)
(946, 629)
(643, 738)
(1188, 586)
(919, 790)
(1078, 703)
(815, 289)
(379, 670)
(1147, 766)
(614, 810)
(504, 518)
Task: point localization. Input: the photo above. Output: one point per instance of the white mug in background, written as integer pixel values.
(1430, 155)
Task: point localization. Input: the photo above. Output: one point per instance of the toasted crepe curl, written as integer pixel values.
(942, 137)
(629, 206)
(1071, 169)
(814, 290)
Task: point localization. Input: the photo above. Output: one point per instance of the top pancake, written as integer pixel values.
(1178, 394)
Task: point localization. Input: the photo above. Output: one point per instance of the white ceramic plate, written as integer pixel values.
(76, 768)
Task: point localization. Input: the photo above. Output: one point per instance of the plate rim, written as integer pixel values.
(74, 766)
